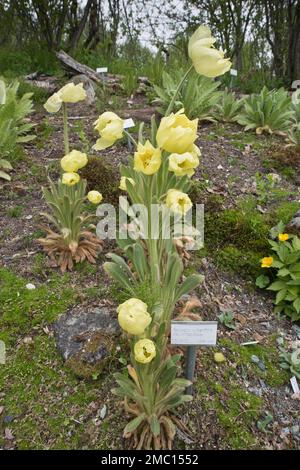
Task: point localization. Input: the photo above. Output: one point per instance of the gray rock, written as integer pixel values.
(255, 359)
(294, 225)
(296, 330)
(88, 85)
(85, 339)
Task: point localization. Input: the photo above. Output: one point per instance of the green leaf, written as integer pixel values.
(154, 425)
(280, 296)
(296, 305)
(262, 281)
(134, 424)
(4, 176)
(189, 284)
(277, 285)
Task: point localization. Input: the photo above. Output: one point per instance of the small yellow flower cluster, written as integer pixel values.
(134, 318)
(71, 163)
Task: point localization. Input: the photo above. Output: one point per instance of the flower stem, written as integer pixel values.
(66, 130)
(130, 137)
(172, 102)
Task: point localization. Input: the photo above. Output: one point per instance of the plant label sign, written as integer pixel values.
(233, 72)
(194, 333)
(102, 70)
(127, 123)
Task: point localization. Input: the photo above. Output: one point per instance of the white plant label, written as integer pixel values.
(233, 72)
(127, 123)
(197, 333)
(295, 385)
(102, 70)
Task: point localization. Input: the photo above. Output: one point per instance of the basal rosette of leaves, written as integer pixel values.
(284, 266)
(72, 242)
(159, 173)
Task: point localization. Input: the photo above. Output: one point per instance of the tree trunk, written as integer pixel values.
(78, 32)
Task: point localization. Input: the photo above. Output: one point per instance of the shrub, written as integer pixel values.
(285, 265)
(228, 108)
(268, 111)
(13, 125)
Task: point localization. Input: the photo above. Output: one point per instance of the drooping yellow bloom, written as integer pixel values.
(207, 60)
(178, 201)
(73, 161)
(70, 178)
(123, 181)
(70, 93)
(283, 237)
(144, 351)
(147, 159)
(110, 127)
(267, 262)
(183, 163)
(177, 133)
(133, 316)
(94, 197)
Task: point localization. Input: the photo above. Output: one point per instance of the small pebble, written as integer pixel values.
(30, 286)
(261, 365)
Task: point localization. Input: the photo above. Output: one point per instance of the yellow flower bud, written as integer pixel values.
(178, 201)
(70, 179)
(147, 159)
(183, 163)
(267, 262)
(110, 127)
(177, 133)
(123, 182)
(283, 237)
(94, 197)
(144, 351)
(133, 316)
(70, 93)
(207, 60)
(73, 161)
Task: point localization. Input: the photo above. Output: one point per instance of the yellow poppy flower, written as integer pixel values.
(94, 197)
(177, 133)
(283, 237)
(73, 161)
(267, 262)
(147, 159)
(110, 127)
(133, 316)
(207, 60)
(178, 201)
(144, 351)
(70, 178)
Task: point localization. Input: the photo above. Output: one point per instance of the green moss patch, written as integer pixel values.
(48, 407)
(22, 308)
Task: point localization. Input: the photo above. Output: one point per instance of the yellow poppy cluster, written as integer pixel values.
(134, 318)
